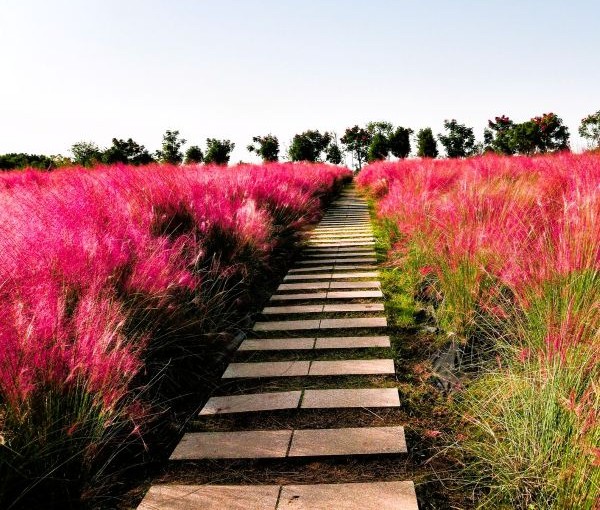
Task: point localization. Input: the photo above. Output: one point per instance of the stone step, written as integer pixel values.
(370, 284)
(317, 276)
(358, 307)
(354, 294)
(349, 496)
(347, 441)
(302, 399)
(270, 444)
(299, 344)
(268, 369)
(338, 260)
(309, 324)
(252, 402)
(350, 397)
(395, 495)
(336, 267)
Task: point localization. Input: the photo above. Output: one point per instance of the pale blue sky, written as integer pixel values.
(97, 69)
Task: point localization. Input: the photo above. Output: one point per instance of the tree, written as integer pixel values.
(356, 140)
(218, 151)
(459, 141)
(86, 153)
(23, 160)
(309, 146)
(590, 128)
(128, 152)
(193, 155)
(171, 148)
(546, 133)
(267, 147)
(378, 148)
(426, 144)
(399, 142)
(552, 134)
(334, 154)
(498, 136)
(381, 126)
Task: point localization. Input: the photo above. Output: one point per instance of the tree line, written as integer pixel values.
(373, 142)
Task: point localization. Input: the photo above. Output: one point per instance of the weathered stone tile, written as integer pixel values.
(298, 297)
(357, 274)
(279, 310)
(347, 441)
(308, 276)
(358, 307)
(276, 344)
(286, 325)
(309, 269)
(359, 322)
(251, 403)
(350, 397)
(355, 285)
(266, 369)
(251, 444)
(210, 497)
(303, 286)
(354, 294)
(349, 496)
(352, 367)
(351, 342)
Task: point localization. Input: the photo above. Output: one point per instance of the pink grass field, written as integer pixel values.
(508, 251)
(79, 246)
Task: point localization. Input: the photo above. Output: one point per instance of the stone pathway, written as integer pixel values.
(326, 312)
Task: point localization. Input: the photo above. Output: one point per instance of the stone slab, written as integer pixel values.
(351, 342)
(286, 325)
(279, 310)
(266, 369)
(251, 444)
(303, 286)
(210, 497)
(349, 496)
(354, 294)
(351, 397)
(358, 322)
(355, 285)
(347, 441)
(298, 297)
(308, 269)
(307, 276)
(337, 260)
(251, 403)
(358, 307)
(277, 344)
(353, 367)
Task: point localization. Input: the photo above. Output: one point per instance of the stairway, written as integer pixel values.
(318, 355)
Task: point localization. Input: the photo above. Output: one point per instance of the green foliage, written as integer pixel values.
(382, 127)
(459, 141)
(590, 128)
(86, 153)
(309, 146)
(267, 147)
(193, 155)
(498, 138)
(399, 142)
(334, 154)
(378, 148)
(15, 160)
(356, 140)
(218, 151)
(127, 152)
(546, 133)
(171, 148)
(426, 144)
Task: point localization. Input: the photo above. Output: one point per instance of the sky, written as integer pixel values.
(97, 69)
